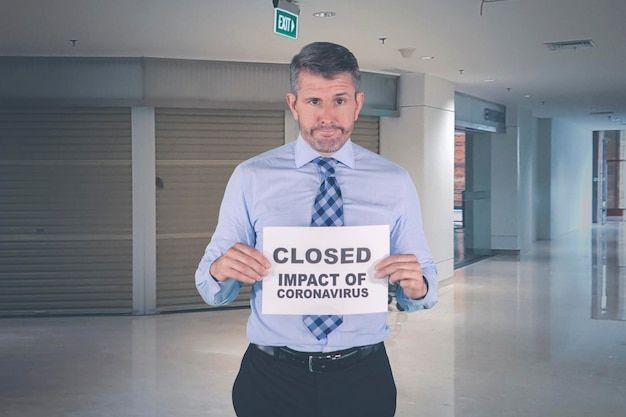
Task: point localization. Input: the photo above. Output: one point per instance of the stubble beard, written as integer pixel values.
(328, 145)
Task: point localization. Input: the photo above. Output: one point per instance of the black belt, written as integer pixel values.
(319, 362)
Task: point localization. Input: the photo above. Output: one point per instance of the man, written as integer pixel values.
(292, 368)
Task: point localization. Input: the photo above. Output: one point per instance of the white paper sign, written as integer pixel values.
(325, 270)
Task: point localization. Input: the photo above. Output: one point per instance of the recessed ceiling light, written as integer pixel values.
(324, 14)
(527, 96)
(427, 57)
(489, 80)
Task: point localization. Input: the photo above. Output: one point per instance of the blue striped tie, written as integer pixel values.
(327, 211)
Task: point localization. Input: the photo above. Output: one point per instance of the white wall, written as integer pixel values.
(554, 190)
(527, 151)
(422, 141)
(570, 177)
(504, 190)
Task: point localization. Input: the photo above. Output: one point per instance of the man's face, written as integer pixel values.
(326, 110)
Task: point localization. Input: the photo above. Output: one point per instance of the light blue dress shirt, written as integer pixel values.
(277, 188)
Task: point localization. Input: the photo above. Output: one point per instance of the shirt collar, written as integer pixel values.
(305, 154)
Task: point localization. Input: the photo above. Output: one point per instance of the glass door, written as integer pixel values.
(472, 197)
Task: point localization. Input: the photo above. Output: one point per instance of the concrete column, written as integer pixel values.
(144, 210)
(543, 186)
(422, 141)
(621, 173)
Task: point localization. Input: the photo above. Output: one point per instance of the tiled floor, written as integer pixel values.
(540, 336)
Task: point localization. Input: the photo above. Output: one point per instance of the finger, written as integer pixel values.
(404, 274)
(389, 260)
(251, 252)
(400, 267)
(224, 268)
(242, 272)
(240, 262)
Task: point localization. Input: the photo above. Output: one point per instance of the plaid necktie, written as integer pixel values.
(327, 211)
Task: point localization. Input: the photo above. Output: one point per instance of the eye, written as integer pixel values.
(340, 101)
(314, 101)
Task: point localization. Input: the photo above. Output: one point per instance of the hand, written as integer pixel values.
(240, 262)
(406, 271)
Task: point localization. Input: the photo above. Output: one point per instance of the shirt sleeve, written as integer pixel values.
(428, 301)
(233, 226)
(407, 237)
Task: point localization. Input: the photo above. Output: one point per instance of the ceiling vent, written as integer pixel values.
(555, 46)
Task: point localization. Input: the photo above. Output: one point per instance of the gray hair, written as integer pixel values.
(325, 59)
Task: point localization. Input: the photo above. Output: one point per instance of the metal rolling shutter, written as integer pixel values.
(196, 152)
(65, 211)
(367, 133)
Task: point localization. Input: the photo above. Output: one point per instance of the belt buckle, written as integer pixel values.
(328, 358)
(313, 358)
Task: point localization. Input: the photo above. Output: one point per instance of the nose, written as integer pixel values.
(326, 114)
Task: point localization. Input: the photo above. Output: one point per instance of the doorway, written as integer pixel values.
(472, 197)
(609, 181)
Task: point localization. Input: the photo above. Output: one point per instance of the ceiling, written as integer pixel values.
(471, 41)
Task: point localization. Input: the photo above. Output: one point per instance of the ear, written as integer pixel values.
(291, 102)
(360, 97)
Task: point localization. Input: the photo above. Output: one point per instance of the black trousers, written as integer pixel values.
(266, 386)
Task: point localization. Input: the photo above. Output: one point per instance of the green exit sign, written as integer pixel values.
(285, 23)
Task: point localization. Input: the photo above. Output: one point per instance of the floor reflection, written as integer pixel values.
(463, 255)
(525, 342)
(512, 336)
(609, 272)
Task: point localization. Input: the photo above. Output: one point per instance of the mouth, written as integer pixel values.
(327, 130)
